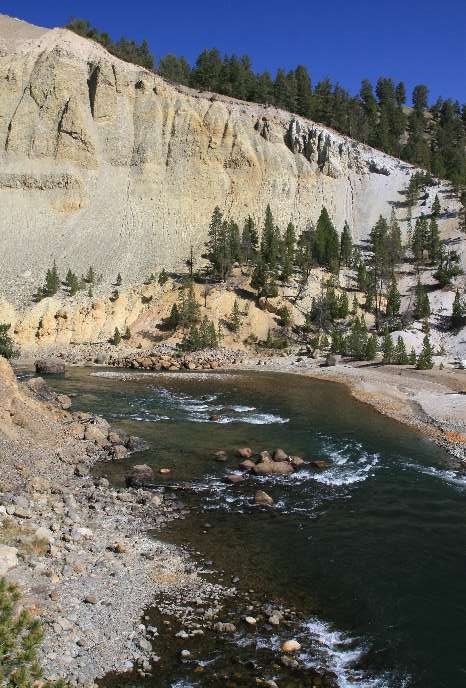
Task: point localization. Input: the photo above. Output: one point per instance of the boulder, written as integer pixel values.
(8, 558)
(265, 457)
(41, 389)
(76, 429)
(262, 498)
(244, 452)
(333, 359)
(291, 646)
(50, 366)
(119, 451)
(165, 471)
(280, 455)
(140, 474)
(273, 467)
(247, 465)
(296, 461)
(220, 456)
(96, 435)
(136, 444)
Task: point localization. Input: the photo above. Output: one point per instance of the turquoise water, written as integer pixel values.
(372, 550)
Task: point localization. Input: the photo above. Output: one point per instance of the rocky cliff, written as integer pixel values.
(105, 163)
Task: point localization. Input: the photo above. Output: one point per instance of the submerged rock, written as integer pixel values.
(263, 498)
(244, 452)
(320, 464)
(49, 366)
(140, 474)
(291, 646)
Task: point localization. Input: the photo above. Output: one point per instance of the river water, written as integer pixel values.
(372, 550)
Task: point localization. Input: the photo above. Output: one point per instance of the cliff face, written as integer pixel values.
(104, 163)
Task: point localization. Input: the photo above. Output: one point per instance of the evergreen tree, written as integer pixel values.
(90, 276)
(163, 277)
(303, 92)
(356, 341)
(249, 240)
(116, 339)
(72, 282)
(234, 321)
(263, 281)
(448, 267)
(326, 243)
(234, 242)
(371, 348)
(270, 242)
(400, 355)
(188, 308)
(173, 319)
(458, 311)
(288, 253)
(346, 246)
(393, 300)
(337, 345)
(52, 281)
(424, 360)
(421, 303)
(387, 347)
(412, 357)
(127, 334)
(433, 242)
(118, 280)
(7, 347)
(436, 208)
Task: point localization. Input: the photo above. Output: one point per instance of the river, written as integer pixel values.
(372, 551)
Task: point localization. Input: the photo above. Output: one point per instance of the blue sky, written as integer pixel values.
(347, 40)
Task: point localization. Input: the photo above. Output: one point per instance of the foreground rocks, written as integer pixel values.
(170, 359)
(78, 548)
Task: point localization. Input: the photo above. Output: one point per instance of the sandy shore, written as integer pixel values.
(432, 402)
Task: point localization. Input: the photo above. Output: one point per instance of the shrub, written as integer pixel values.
(7, 347)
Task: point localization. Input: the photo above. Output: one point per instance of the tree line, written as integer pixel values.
(432, 136)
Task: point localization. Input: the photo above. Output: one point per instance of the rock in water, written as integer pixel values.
(140, 474)
(280, 455)
(269, 468)
(291, 646)
(320, 464)
(244, 452)
(263, 498)
(48, 366)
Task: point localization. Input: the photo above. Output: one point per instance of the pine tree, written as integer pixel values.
(72, 282)
(263, 281)
(346, 246)
(387, 347)
(400, 356)
(421, 304)
(436, 208)
(337, 345)
(249, 240)
(371, 348)
(270, 242)
(163, 277)
(303, 92)
(116, 339)
(52, 281)
(234, 241)
(188, 308)
(7, 347)
(424, 360)
(234, 321)
(127, 334)
(458, 311)
(174, 318)
(356, 341)
(326, 243)
(433, 241)
(118, 280)
(393, 300)
(90, 277)
(448, 267)
(412, 357)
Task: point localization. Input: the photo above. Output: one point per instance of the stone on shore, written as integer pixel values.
(8, 558)
(247, 465)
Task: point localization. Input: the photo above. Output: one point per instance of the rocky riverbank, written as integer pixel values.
(78, 548)
(432, 402)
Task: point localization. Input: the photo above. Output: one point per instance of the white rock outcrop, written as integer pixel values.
(104, 163)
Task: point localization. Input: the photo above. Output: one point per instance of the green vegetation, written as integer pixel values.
(458, 313)
(125, 49)
(20, 639)
(116, 338)
(7, 347)
(202, 336)
(234, 321)
(424, 360)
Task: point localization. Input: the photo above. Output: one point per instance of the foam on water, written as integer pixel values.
(455, 478)
(340, 653)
